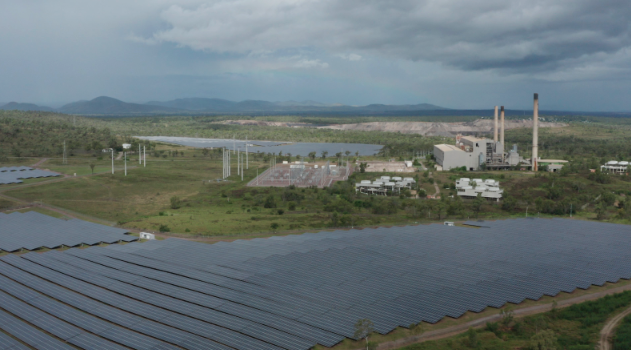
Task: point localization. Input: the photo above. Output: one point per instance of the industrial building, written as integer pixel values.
(475, 153)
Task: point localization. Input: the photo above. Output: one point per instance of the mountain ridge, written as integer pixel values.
(104, 105)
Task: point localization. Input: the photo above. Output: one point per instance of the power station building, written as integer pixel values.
(476, 153)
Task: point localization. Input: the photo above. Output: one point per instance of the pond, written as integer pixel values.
(295, 148)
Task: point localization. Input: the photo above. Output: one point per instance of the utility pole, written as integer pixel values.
(247, 163)
(139, 155)
(238, 162)
(144, 156)
(125, 156)
(111, 149)
(63, 159)
(241, 168)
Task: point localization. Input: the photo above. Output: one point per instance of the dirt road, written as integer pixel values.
(41, 161)
(431, 175)
(481, 322)
(608, 330)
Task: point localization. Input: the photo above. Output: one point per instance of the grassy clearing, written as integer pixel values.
(447, 322)
(6, 204)
(142, 200)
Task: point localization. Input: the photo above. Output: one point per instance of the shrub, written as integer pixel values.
(270, 202)
(164, 228)
(176, 203)
(274, 225)
(281, 212)
(291, 206)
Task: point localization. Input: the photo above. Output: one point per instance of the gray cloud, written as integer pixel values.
(510, 36)
(455, 53)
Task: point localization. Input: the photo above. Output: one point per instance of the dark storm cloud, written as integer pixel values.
(513, 36)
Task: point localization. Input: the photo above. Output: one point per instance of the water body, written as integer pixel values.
(295, 148)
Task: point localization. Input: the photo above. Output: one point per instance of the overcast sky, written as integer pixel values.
(454, 53)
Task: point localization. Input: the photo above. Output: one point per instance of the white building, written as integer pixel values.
(489, 188)
(384, 185)
(615, 167)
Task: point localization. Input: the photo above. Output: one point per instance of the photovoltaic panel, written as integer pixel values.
(15, 174)
(296, 291)
(32, 230)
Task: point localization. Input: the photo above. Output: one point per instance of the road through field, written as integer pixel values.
(608, 330)
(531, 310)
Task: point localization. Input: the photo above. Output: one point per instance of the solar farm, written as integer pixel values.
(302, 175)
(32, 230)
(15, 174)
(294, 292)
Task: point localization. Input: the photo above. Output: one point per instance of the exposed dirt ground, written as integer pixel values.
(479, 126)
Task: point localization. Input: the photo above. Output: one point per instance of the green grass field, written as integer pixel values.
(142, 199)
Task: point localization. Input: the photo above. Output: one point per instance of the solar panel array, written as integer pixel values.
(295, 291)
(32, 230)
(15, 174)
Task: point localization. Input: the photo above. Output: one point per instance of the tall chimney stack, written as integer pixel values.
(495, 129)
(502, 122)
(535, 134)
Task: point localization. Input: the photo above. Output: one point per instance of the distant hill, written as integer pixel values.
(197, 104)
(12, 106)
(215, 105)
(104, 105)
(107, 106)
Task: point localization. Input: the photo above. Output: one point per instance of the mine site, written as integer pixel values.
(477, 127)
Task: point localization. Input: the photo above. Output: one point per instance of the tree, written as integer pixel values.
(601, 211)
(175, 202)
(545, 340)
(509, 203)
(270, 202)
(348, 153)
(312, 155)
(477, 205)
(363, 328)
(324, 154)
(92, 165)
(472, 337)
(362, 167)
(274, 226)
(507, 316)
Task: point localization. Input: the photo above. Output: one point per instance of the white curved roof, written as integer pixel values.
(612, 162)
(623, 163)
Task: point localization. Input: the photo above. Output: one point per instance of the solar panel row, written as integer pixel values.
(32, 230)
(11, 175)
(295, 291)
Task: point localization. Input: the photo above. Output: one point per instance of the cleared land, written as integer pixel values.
(478, 126)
